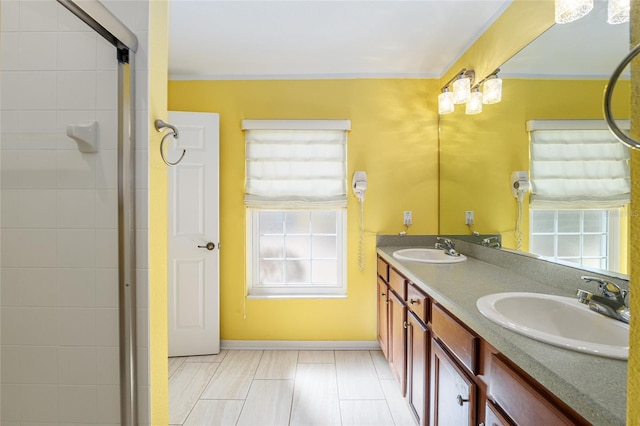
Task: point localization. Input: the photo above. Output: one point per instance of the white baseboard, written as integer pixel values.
(327, 345)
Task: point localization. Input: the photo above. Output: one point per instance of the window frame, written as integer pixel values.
(256, 291)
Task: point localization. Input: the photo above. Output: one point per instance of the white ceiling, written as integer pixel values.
(215, 39)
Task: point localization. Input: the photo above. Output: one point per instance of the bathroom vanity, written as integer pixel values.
(454, 366)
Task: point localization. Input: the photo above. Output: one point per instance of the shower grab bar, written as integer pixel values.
(173, 131)
(608, 94)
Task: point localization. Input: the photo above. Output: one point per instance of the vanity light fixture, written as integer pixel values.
(462, 89)
(569, 10)
(474, 105)
(618, 11)
(492, 88)
(445, 101)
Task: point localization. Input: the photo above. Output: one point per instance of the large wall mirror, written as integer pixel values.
(559, 76)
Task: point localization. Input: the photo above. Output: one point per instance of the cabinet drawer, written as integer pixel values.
(493, 416)
(461, 342)
(383, 269)
(418, 302)
(522, 402)
(398, 283)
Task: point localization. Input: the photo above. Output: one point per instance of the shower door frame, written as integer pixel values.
(99, 18)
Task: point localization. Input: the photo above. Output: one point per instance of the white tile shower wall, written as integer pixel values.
(58, 264)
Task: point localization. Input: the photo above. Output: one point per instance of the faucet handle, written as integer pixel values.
(446, 241)
(608, 289)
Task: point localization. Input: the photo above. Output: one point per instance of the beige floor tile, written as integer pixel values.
(365, 413)
(382, 365)
(357, 377)
(233, 378)
(315, 396)
(277, 365)
(208, 358)
(316, 357)
(213, 412)
(174, 363)
(268, 403)
(339, 388)
(185, 387)
(398, 405)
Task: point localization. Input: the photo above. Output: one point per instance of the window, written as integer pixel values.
(296, 207)
(587, 237)
(580, 182)
(297, 252)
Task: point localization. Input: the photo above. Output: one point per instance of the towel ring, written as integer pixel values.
(173, 131)
(608, 94)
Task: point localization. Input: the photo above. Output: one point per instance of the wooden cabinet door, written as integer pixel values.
(383, 317)
(398, 339)
(453, 393)
(418, 368)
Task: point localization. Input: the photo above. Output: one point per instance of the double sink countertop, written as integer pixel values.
(595, 387)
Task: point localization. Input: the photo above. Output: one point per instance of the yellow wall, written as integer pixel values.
(479, 152)
(158, 76)
(394, 138)
(633, 384)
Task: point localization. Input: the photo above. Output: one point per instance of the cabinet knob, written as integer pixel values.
(412, 301)
(461, 400)
(383, 294)
(405, 324)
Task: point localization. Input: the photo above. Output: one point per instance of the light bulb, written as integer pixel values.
(474, 105)
(570, 10)
(445, 102)
(492, 91)
(618, 11)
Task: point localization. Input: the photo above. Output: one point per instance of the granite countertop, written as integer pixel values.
(595, 387)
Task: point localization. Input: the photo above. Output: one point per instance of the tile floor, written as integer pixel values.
(268, 388)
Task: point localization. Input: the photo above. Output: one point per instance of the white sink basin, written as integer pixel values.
(427, 255)
(560, 321)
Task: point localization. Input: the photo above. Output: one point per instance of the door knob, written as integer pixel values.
(209, 246)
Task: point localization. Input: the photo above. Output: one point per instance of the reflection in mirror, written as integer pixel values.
(560, 76)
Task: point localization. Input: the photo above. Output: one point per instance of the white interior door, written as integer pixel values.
(194, 317)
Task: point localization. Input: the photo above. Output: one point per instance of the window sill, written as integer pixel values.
(295, 296)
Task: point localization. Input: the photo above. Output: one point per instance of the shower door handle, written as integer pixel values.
(209, 246)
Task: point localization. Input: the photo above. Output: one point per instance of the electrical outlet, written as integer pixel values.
(468, 217)
(407, 218)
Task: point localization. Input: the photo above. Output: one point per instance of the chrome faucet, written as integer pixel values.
(447, 245)
(612, 301)
(491, 242)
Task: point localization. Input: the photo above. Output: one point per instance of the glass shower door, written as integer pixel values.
(59, 336)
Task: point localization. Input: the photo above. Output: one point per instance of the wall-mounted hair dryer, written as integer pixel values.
(519, 184)
(359, 184)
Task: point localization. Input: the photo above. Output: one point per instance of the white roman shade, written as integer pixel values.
(577, 164)
(296, 163)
